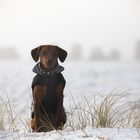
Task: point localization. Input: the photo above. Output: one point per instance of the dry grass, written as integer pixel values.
(2, 112)
(12, 121)
(135, 117)
(7, 118)
(110, 110)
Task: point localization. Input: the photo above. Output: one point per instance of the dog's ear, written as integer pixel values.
(35, 53)
(62, 54)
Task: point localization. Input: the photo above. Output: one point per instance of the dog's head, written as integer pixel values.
(48, 55)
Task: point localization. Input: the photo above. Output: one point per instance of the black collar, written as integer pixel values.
(39, 70)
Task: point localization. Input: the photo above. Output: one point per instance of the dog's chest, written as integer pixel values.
(51, 84)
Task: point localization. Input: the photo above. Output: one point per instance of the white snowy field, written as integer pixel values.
(82, 79)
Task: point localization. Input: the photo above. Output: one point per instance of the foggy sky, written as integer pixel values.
(108, 24)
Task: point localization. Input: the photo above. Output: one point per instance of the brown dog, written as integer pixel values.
(47, 89)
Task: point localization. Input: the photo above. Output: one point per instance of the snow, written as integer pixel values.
(67, 134)
(83, 79)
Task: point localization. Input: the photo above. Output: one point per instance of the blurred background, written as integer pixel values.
(102, 38)
(87, 29)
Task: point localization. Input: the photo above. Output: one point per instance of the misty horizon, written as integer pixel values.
(109, 25)
(76, 53)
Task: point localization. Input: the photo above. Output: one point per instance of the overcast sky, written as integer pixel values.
(107, 24)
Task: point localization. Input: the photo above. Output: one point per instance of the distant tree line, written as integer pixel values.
(137, 51)
(8, 53)
(76, 53)
(97, 54)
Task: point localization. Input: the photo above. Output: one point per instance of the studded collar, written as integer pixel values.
(40, 70)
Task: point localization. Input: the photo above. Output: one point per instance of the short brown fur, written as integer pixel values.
(48, 56)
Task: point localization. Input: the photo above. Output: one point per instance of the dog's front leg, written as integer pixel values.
(38, 95)
(61, 115)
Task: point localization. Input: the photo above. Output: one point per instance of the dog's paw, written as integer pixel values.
(35, 125)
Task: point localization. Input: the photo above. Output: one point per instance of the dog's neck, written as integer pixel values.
(38, 69)
(45, 68)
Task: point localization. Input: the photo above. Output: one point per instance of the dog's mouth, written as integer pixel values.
(48, 65)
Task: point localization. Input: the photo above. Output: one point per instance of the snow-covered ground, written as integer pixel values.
(68, 134)
(83, 79)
